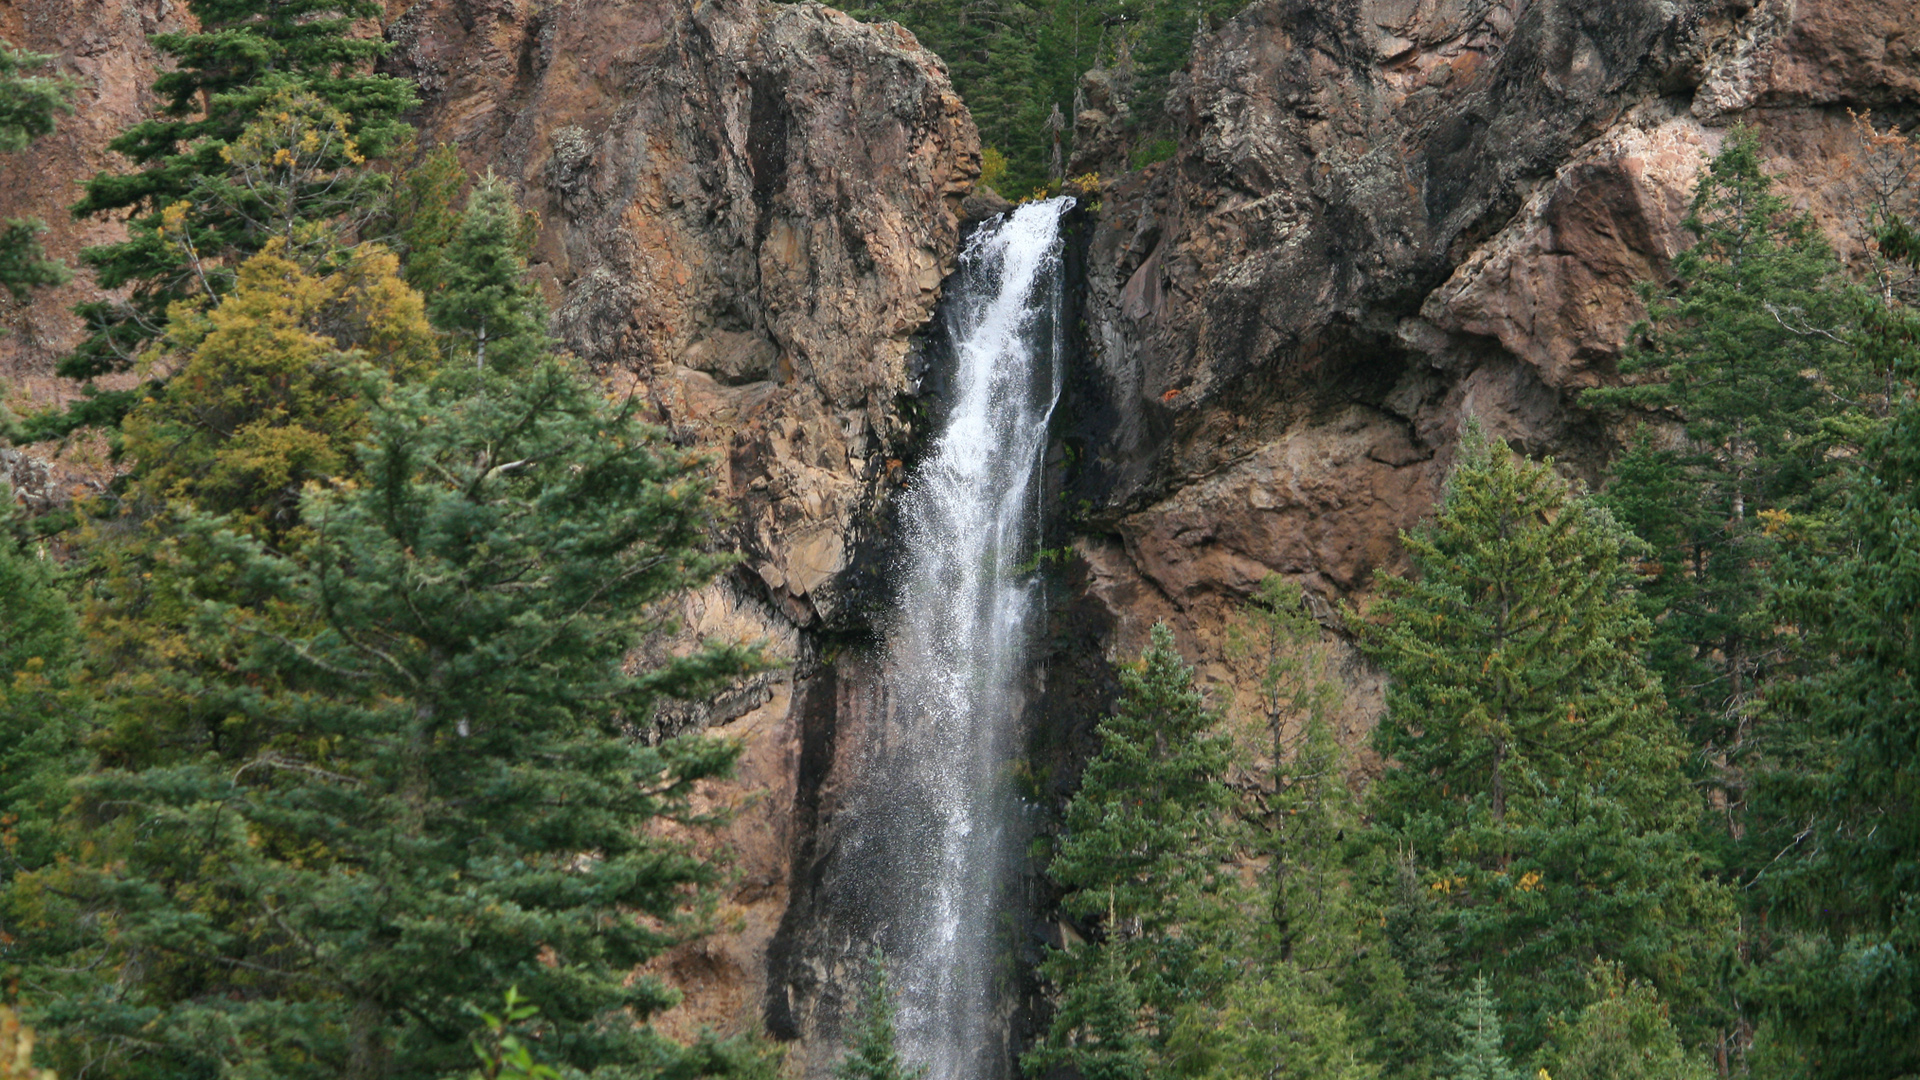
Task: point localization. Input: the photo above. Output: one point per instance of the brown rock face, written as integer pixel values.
(1388, 216)
(748, 212)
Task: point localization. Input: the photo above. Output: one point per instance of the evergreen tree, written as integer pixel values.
(1513, 651)
(1623, 1034)
(1841, 890)
(1534, 773)
(486, 306)
(1477, 1032)
(344, 789)
(230, 72)
(874, 1053)
(27, 107)
(40, 714)
(266, 400)
(1749, 352)
(1147, 836)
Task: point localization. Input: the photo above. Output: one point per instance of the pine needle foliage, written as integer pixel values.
(494, 318)
(1837, 805)
(229, 72)
(1144, 858)
(1750, 352)
(1535, 776)
(1481, 1055)
(873, 1053)
(346, 789)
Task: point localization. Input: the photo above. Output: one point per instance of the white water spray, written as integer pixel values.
(957, 647)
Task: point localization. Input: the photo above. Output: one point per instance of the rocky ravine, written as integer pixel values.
(1384, 217)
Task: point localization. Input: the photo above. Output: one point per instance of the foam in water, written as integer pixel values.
(957, 647)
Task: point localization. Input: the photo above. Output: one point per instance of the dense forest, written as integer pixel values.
(1020, 67)
(322, 753)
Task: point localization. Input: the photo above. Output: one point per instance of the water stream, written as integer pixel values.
(957, 648)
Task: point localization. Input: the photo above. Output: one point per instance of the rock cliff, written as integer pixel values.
(1387, 216)
(1384, 217)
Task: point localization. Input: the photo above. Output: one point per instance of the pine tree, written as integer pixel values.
(493, 316)
(345, 789)
(1147, 837)
(27, 107)
(1513, 651)
(227, 74)
(1535, 775)
(1749, 351)
(874, 1052)
(1477, 1031)
(40, 714)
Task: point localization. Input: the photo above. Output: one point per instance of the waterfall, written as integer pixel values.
(957, 644)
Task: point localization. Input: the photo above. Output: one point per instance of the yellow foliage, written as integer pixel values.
(16, 1050)
(993, 168)
(263, 400)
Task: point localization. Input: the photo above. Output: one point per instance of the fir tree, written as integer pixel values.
(1837, 806)
(1481, 1055)
(874, 1052)
(1147, 836)
(227, 73)
(1749, 352)
(494, 318)
(27, 107)
(40, 713)
(346, 789)
(265, 400)
(1535, 775)
(1513, 651)
(1623, 1034)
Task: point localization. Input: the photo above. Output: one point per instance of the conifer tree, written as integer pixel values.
(494, 318)
(1480, 1055)
(1750, 352)
(27, 107)
(1836, 808)
(1513, 651)
(227, 73)
(40, 714)
(266, 400)
(346, 789)
(1623, 1034)
(1535, 775)
(874, 1052)
(1147, 836)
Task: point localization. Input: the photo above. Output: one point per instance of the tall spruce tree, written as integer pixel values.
(227, 73)
(345, 790)
(1749, 352)
(1143, 858)
(1480, 1054)
(1534, 773)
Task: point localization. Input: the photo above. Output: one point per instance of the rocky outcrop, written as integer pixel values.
(1387, 216)
(748, 210)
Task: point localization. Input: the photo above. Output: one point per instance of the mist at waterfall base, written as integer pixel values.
(957, 652)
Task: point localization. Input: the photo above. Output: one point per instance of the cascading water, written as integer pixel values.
(957, 648)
